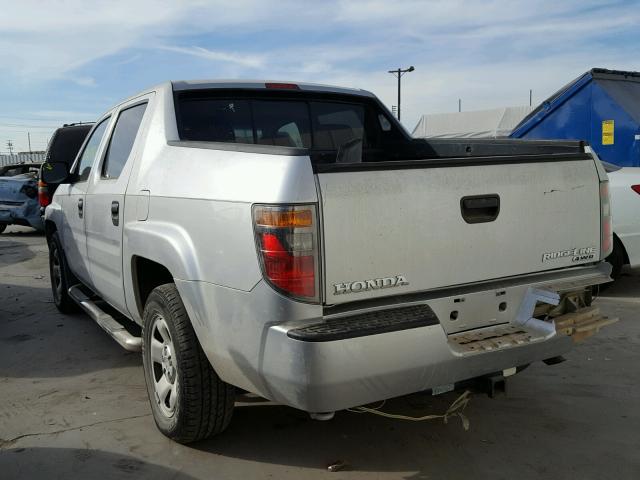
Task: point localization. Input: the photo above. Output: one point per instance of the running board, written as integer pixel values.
(106, 321)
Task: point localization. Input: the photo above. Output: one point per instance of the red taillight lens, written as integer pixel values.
(282, 86)
(286, 238)
(43, 194)
(294, 274)
(636, 188)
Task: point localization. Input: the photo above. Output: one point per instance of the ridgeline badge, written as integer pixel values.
(578, 254)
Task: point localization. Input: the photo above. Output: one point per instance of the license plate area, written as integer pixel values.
(479, 309)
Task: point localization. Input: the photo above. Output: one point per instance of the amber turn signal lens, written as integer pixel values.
(284, 218)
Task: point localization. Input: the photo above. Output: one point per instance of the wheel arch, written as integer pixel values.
(49, 228)
(616, 238)
(158, 253)
(147, 275)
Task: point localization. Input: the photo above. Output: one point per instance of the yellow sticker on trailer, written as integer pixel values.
(607, 132)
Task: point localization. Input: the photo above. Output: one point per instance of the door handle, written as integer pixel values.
(115, 213)
(80, 207)
(480, 208)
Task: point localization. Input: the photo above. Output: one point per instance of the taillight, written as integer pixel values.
(287, 243)
(636, 188)
(606, 229)
(43, 194)
(282, 86)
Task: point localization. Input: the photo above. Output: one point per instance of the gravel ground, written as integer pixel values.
(73, 405)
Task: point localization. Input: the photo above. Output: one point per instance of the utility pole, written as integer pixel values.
(29, 139)
(398, 73)
(10, 147)
(530, 97)
(459, 105)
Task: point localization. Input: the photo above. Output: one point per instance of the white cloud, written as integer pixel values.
(253, 61)
(84, 81)
(489, 53)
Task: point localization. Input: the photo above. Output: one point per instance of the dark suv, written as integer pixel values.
(63, 147)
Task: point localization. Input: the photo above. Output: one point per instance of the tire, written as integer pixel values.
(61, 277)
(3, 227)
(188, 400)
(616, 259)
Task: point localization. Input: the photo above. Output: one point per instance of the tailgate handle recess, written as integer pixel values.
(480, 208)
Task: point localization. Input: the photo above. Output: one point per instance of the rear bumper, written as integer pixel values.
(253, 341)
(26, 214)
(331, 376)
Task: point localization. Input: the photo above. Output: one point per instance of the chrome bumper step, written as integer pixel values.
(578, 325)
(109, 324)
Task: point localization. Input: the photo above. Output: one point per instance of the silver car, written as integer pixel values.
(292, 240)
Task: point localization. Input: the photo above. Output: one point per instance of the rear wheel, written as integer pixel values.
(188, 399)
(61, 276)
(616, 259)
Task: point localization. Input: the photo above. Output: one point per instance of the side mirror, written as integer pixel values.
(55, 172)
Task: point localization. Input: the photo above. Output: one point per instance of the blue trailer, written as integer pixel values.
(601, 107)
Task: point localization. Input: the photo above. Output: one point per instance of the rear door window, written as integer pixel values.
(122, 139)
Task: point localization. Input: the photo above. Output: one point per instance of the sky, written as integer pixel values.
(69, 61)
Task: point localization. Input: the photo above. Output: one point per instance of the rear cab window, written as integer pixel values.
(332, 127)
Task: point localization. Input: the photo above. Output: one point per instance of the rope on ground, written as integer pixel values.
(456, 409)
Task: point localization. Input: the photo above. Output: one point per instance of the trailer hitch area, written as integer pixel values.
(568, 314)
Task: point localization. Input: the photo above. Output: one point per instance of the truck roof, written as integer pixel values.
(181, 85)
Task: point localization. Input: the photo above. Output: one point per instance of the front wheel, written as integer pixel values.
(60, 277)
(188, 400)
(3, 227)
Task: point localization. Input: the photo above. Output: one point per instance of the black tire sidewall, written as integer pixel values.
(3, 227)
(54, 243)
(616, 259)
(157, 304)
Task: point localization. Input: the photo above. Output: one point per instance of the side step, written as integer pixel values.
(106, 321)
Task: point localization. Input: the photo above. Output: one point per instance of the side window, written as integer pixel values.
(122, 139)
(90, 151)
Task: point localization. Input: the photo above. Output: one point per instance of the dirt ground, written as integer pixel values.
(73, 405)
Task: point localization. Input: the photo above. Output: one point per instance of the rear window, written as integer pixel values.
(66, 144)
(332, 128)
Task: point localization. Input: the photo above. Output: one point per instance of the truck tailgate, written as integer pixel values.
(394, 231)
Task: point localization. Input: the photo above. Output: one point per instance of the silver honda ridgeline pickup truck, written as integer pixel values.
(293, 241)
